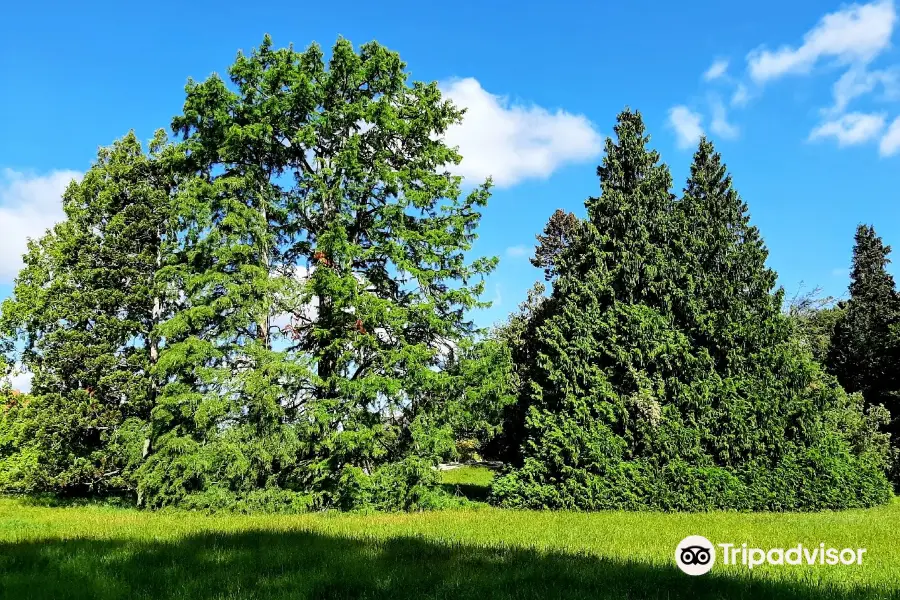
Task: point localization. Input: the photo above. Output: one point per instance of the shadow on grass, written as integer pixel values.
(307, 565)
(470, 491)
(471, 481)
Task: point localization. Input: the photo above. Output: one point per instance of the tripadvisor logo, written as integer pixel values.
(696, 555)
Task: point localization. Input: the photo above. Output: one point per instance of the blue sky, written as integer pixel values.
(800, 97)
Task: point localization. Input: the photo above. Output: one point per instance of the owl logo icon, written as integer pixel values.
(695, 555)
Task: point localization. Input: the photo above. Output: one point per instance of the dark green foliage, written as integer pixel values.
(864, 351)
(559, 233)
(480, 388)
(272, 314)
(261, 316)
(665, 376)
(865, 347)
(517, 334)
(83, 312)
(725, 293)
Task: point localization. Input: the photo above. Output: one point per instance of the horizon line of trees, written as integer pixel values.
(270, 313)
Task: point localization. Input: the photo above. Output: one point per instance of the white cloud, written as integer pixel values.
(512, 142)
(686, 124)
(858, 81)
(29, 205)
(890, 143)
(854, 34)
(719, 124)
(517, 251)
(716, 70)
(840, 272)
(850, 129)
(741, 96)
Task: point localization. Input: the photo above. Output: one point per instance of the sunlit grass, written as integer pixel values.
(97, 552)
(472, 482)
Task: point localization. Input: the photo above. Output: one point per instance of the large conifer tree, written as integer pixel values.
(864, 352)
(322, 281)
(665, 377)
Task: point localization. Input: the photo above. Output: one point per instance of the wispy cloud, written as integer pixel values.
(686, 124)
(716, 70)
(852, 38)
(854, 34)
(850, 129)
(858, 81)
(719, 124)
(741, 96)
(890, 143)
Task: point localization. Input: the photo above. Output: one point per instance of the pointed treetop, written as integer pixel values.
(870, 260)
(630, 170)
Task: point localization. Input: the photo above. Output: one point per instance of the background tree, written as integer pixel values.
(517, 333)
(481, 385)
(865, 350)
(83, 314)
(559, 233)
(813, 318)
(659, 356)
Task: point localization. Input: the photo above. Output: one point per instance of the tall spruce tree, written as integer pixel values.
(321, 280)
(665, 377)
(82, 316)
(865, 347)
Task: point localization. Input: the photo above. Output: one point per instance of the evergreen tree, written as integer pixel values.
(727, 296)
(559, 234)
(517, 335)
(864, 352)
(865, 347)
(665, 377)
(83, 312)
(321, 277)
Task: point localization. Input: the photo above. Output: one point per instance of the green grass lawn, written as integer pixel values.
(473, 482)
(98, 553)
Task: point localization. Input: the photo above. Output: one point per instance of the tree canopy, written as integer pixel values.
(84, 311)
(665, 375)
(273, 311)
(304, 281)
